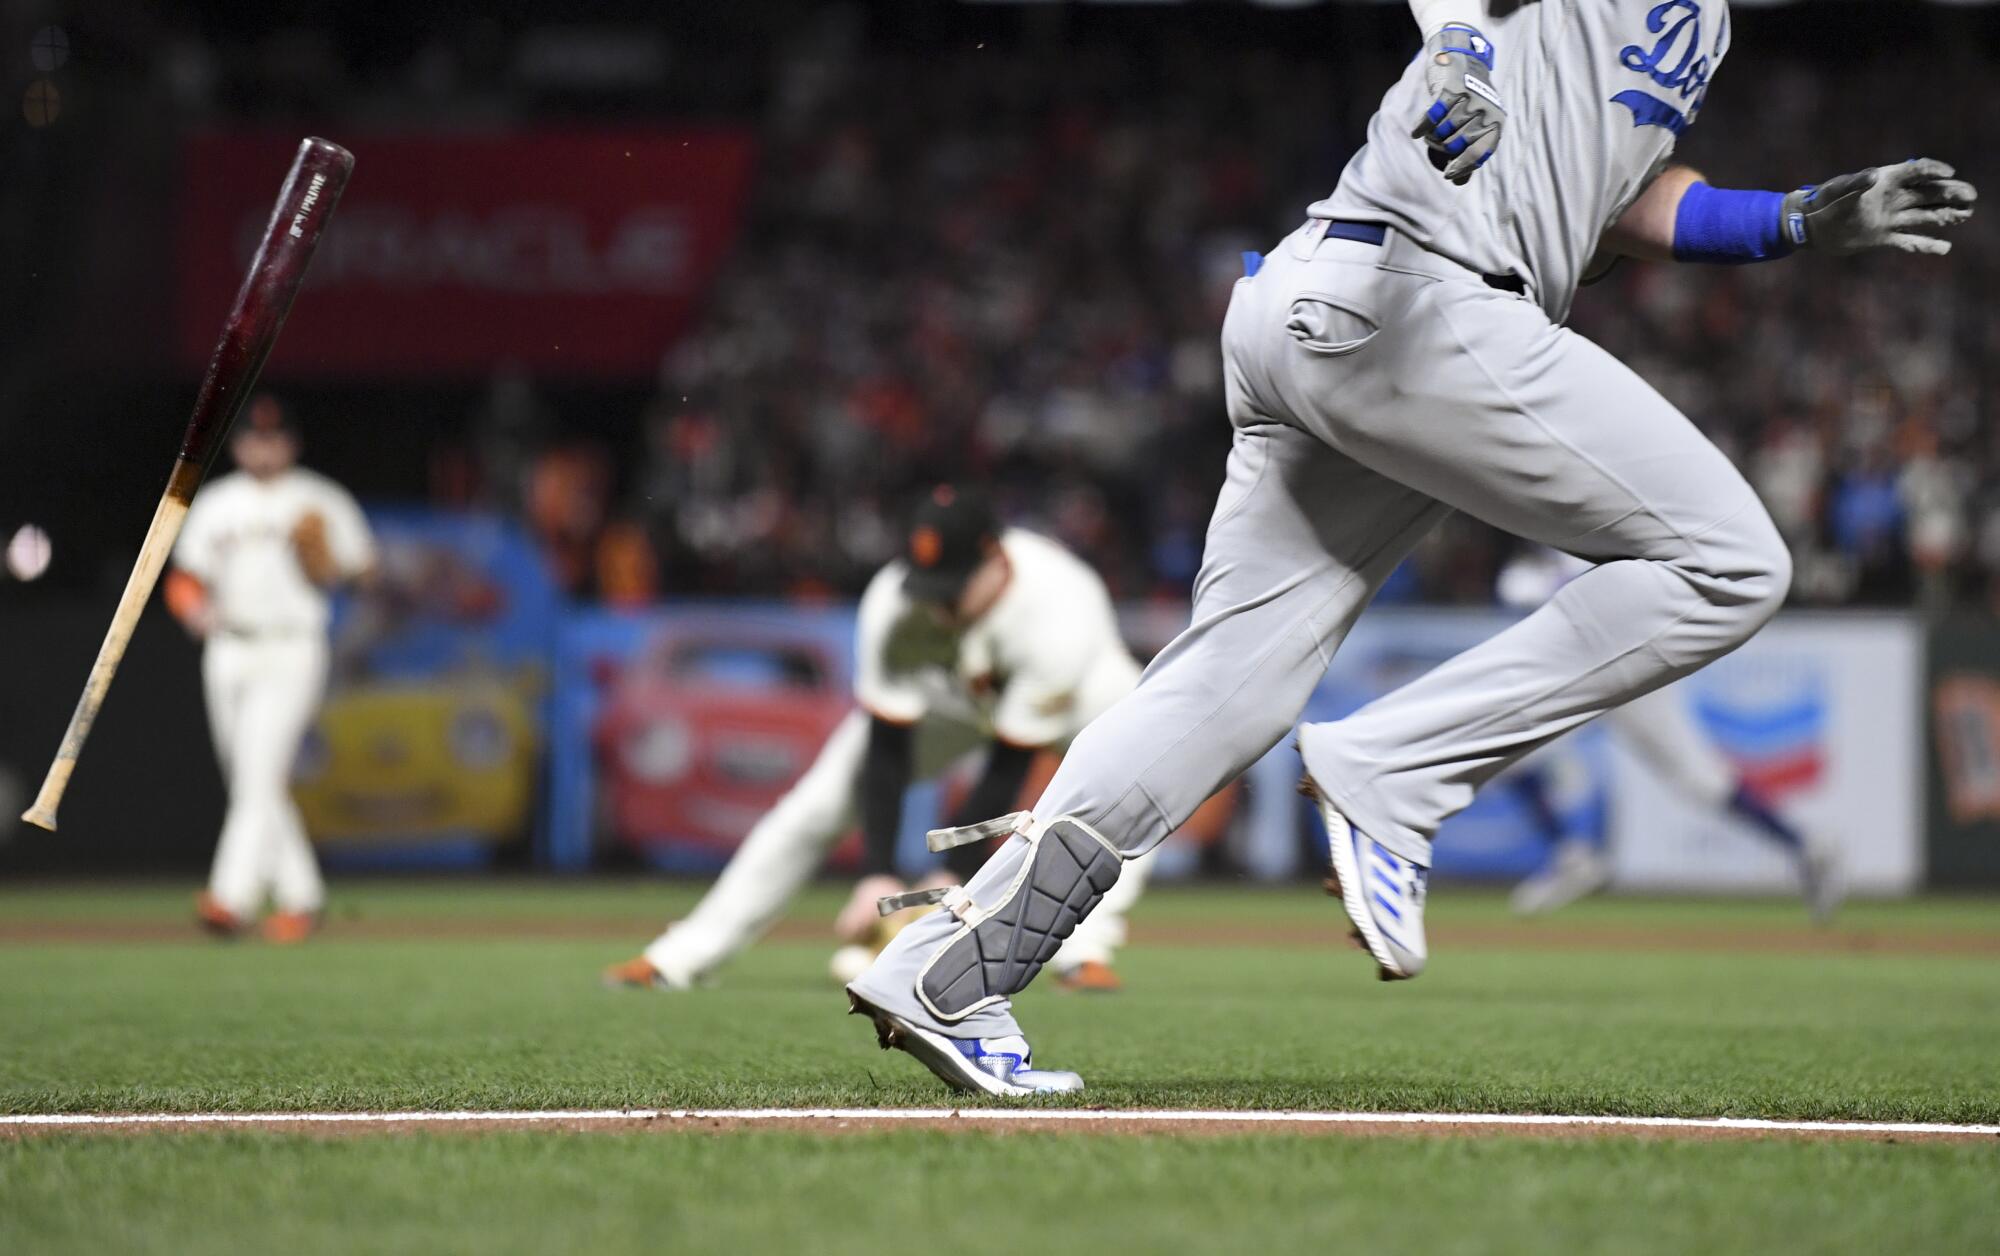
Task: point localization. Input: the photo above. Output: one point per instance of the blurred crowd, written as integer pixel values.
(1857, 394)
(1010, 265)
(960, 266)
(956, 269)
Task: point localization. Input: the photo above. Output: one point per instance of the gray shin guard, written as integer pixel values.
(999, 947)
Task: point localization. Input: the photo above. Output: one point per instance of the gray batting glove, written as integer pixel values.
(1883, 207)
(1463, 124)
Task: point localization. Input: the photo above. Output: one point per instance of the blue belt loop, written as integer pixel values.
(1360, 232)
(1252, 263)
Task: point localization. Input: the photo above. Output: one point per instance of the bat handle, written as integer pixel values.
(166, 525)
(43, 813)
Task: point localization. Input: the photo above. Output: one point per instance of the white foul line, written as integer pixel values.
(1081, 1116)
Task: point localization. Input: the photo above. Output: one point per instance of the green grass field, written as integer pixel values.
(484, 995)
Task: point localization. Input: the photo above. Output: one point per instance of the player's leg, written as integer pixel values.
(1662, 733)
(782, 850)
(1548, 784)
(235, 879)
(274, 704)
(289, 695)
(1300, 539)
(1487, 406)
(1083, 962)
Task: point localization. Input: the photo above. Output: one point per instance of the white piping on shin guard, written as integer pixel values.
(997, 949)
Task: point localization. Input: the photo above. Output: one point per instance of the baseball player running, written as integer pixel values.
(1398, 357)
(956, 651)
(1660, 732)
(260, 552)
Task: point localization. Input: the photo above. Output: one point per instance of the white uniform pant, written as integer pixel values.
(261, 693)
(788, 845)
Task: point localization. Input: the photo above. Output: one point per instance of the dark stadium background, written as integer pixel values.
(1136, 143)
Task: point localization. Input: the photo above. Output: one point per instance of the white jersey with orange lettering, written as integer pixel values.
(238, 542)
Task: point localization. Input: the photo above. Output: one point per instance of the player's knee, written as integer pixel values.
(1754, 575)
(1778, 580)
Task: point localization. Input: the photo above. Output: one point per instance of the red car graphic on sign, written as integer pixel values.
(702, 732)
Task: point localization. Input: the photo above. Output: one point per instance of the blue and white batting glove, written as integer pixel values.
(1464, 121)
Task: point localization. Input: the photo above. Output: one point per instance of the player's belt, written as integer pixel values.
(244, 632)
(1377, 233)
(1363, 232)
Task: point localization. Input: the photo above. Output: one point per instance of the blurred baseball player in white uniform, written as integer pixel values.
(1660, 732)
(954, 654)
(1399, 356)
(261, 550)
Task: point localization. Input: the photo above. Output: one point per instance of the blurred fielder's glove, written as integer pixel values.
(315, 555)
(1463, 124)
(1883, 207)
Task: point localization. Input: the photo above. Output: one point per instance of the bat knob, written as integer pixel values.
(41, 817)
(327, 152)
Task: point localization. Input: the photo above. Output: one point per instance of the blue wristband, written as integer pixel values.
(1467, 40)
(1719, 225)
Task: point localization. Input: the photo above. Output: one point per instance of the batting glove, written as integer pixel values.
(1883, 207)
(1463, 124)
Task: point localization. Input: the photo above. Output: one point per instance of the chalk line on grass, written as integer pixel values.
(1005, 1116)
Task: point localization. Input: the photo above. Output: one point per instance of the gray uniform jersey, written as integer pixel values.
(1596, 91)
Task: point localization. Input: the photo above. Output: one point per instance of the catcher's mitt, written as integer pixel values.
(314, 554)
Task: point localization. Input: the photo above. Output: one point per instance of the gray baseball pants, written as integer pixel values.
(1374, 389)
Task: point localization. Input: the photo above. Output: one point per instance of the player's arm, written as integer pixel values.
(186, 587)
(895, 705)
(999, 788)
(1462, 126)
(353, 540)
(314, 551)
(885, 775)
(1679, 217)
(333, 544)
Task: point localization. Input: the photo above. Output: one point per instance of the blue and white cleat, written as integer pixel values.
(980, 1066)
(1382, 892)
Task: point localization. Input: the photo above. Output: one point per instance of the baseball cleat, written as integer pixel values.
(287, 928)
(1382, 892)
(980, 1066)
(638, 973)
(1090, 977)
(1577, 871)
(212, 916)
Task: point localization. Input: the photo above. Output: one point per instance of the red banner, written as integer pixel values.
(569, 252)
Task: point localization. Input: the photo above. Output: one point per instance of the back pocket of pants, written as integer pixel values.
(1328, 327)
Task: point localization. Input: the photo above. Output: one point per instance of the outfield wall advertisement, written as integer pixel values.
(472, 708)
(672, 730)
(456, 251)
(1821, 714)
(1962, 717)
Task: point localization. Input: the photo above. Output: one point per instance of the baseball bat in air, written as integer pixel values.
(306, 201)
